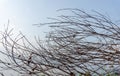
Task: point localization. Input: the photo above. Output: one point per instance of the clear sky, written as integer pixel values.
(23, 13)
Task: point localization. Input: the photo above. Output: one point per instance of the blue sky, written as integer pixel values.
(23, 13)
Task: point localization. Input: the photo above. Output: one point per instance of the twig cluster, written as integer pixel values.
(80, 43)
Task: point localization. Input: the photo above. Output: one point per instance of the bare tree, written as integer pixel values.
(79, 43)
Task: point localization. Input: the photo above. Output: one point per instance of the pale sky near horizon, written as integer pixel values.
(23, 13)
